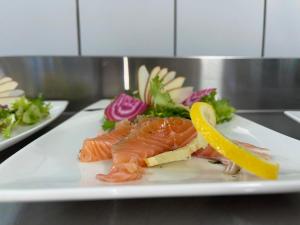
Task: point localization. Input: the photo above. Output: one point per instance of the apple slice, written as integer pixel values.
(161, 74)
(153, 73)
(143, 76)
(176, 83)
(5, 79)
(178, 95)
(168, 77)
(7, 86)
(8, 100)
(12, 93)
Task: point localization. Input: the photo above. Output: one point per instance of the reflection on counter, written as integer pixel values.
(248, 83)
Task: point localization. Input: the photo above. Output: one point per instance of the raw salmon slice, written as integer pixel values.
(149, 138)
(100, 147)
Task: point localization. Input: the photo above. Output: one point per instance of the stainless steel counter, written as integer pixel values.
(238, 210)
(248, 83)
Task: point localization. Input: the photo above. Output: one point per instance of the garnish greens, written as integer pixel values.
(165, 107)
(224, 111)
(165, 111)
(108, 125)
(160, 98)
(22, 112)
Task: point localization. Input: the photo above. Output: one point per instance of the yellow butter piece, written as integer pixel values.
(179, 154)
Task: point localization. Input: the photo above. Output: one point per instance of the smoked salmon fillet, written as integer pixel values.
(150, 136)
(99, 148)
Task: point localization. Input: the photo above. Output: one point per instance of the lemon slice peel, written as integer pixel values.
(200, 114)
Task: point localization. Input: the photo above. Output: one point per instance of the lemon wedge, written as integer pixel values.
(203, 115)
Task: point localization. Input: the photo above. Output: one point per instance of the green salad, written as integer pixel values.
(23, 111)
(162, 94)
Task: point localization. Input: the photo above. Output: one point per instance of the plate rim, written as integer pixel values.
(292, 116)
(146, 191)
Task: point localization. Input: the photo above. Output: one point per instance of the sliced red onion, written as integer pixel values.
(197, 96)
(230, 167)
(124, 107)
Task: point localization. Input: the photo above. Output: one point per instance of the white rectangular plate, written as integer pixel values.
(295, 115)
(21, 132)
(48, 168)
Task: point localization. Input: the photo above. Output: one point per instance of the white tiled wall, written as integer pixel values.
(38, 27)
(127, 27)
(150, 27)
(283, 28)
(214, 27)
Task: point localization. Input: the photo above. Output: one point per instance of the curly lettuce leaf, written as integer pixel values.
(4, 112)
(32, 115)
(108, 125)
(224, 111)
(165, 111)
(160, 97)
(164, 106)
(22, 112)
(30, 111)
(7, 125)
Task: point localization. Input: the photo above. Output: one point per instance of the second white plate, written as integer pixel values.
(295, 115)
(21, 132)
